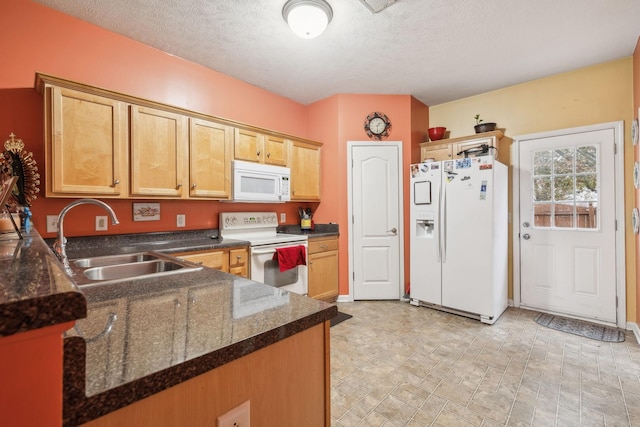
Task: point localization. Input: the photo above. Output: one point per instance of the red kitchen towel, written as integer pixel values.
(290, 257)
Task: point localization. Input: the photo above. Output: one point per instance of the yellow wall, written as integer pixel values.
(598, 94)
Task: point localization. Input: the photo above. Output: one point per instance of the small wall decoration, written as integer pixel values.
(14, 161)
(146, 211)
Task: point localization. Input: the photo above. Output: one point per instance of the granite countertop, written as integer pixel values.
(320, 230)
(35, 292)
(163, 332)
(142, 336)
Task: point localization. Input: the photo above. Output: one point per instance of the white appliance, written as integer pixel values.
(256, 182)
(458, 241)
(260, 229)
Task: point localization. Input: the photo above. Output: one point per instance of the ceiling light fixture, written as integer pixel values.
(307, 18)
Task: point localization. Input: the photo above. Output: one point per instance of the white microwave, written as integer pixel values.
(256, 182)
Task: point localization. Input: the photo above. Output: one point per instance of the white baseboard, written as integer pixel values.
(510, 303)
(344, 298)
(632, 326)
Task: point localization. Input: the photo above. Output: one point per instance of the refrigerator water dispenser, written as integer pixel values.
(424, 228)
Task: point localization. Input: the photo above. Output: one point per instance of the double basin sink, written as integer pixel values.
(114, 268)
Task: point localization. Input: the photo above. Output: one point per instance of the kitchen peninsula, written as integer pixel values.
(229, 340)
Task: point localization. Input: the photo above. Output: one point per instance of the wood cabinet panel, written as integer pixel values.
(447, 149)
(210, 146)
(234, 261)
(305, 171)
(247, 145)
(238, 262)
(86, 144)
(158, 152)
(276, 150)
(323, 269)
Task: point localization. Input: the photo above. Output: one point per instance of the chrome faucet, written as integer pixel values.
(60, 244)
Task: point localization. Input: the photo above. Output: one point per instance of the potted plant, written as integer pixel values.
(481, 127)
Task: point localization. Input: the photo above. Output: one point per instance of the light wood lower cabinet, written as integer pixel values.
(323, 268)
(234, 261)
(287, 384)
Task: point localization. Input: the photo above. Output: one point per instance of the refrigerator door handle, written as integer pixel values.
(443, 222)
(437, 227)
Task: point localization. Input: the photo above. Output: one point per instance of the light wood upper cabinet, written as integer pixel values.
(210, 146)
(304, 162)
(247, 145)
(85, 144)
(158, 152)
(252, 146)
(276, 150)
(453, 148)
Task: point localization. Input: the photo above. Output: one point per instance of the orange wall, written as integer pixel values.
(340, 119)
(636, 158)
(35, 38)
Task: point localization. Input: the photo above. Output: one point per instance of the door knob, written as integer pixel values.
(526, 236)
(525, 224)
(393, 231)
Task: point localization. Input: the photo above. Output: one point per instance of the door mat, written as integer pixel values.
(580, 327)
(339, 318)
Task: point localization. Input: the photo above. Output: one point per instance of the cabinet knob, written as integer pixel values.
(179, 186)
(324, 247)
(268, 155)
(258, 154)
(116, 182)
(239, 257)
(194, 186)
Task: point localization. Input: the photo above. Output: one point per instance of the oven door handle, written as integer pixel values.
(263, 252)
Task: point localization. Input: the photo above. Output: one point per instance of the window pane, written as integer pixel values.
(542, 163)
(542, 215)
(586, 187)
(586, 215)
(541, 189)
(563, 161)
(563, 215)
(586, 158)
(563, 188)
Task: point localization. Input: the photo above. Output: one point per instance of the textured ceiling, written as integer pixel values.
(435, 50)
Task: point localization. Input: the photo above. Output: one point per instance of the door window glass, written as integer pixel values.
(566, 188)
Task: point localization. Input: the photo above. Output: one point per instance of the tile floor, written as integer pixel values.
(394, 364)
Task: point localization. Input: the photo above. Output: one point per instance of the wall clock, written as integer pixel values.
(377, 125)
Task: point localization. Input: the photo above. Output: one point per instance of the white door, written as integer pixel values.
(568, 224)
(376, 206)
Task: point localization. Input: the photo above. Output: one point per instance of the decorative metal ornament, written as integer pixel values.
(14, 161)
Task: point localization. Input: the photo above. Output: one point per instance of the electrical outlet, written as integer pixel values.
(236, 417)
(283, 217)
(101, 223)
(180, 220)
(52, 223)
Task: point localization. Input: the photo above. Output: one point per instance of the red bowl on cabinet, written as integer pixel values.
(437, 133)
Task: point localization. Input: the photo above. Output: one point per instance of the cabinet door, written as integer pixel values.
(209, 159)
(218, 260)
(158, 152)
(86, 142)
(208, 323)
(247, 146)
(276, 150)
(305, 171)
(436, 152)
(238, 264)
(151, 340)
(323, 269)
(475, 143)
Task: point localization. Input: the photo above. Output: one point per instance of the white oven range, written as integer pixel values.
(260, 230)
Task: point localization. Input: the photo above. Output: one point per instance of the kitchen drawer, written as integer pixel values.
(323, 245)
(213, 259)
(237, 257)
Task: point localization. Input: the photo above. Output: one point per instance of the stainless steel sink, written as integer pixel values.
(114, 260)
(114, 268)
(135, 269)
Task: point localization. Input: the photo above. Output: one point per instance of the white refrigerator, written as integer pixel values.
(459, 234)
